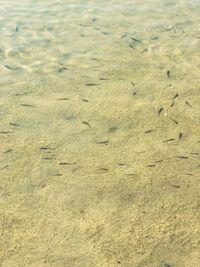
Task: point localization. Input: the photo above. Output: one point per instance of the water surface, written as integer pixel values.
(99, 130)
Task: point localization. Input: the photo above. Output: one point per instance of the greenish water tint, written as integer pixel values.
(99, 131)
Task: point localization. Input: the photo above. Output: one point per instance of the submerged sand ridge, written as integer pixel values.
(99, 128)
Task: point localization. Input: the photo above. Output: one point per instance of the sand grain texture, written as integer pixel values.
(99, 130)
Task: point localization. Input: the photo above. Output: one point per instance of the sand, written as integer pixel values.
(99, 130)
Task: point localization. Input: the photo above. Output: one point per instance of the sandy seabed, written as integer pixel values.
(99, 133)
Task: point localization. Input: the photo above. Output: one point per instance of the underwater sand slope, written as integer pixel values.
(99, 130)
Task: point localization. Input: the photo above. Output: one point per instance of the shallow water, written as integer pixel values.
(99, 128)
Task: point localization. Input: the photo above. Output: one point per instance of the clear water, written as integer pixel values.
(99, 130)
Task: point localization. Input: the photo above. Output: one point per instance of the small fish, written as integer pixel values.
(134, 93)
(155, 38)
(64, 98)
(136, 40)
(180, 136)
(66, 163)
(86, 123)
(182, 157)
(151, 165)
(176, 186)
(176, 95)
(8, 151)
(148, 131)
(102, 142)
(44, 148)
(102, 169)
(123, 35)
(159, 161)
(145, 50)
(17, 28)
(106, 33)
(132, 83)
(172, 104)
(14, 124)
(188, 104)
(174, 120)
(84, 100)
(92, 84)
(27, 105)
(60, 70)
(3, 167)
(95, 59)
(159, 111)
(103, 79)
(168, 140)
(10, 67)
(194, 153)
(5, 132)
(18, 94)
(113, 129)
(168, 74)
(131, 46)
